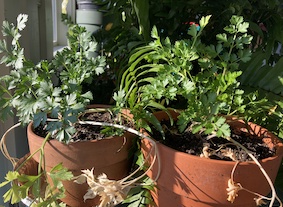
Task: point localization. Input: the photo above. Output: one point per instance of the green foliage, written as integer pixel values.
(49, 89)
(55, 190)
(126, 27)
(172, 19)
(22, 185)
(128, 12)
(140, 196)
(203, 78)
(141, 8)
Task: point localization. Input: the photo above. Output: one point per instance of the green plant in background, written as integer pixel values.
(128, 13)
(173, 19)
(119, 35)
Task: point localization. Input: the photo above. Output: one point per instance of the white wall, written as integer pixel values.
(37, 40)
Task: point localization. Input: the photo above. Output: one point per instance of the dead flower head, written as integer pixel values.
(233, 189)
(229, 153)
(111, 192)
(259, 201)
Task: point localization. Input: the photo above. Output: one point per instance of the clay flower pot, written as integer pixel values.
(109, 156)
(191, 181)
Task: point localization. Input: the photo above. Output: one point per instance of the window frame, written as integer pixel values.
(59, 28)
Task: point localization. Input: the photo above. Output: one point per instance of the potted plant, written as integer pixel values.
(172, 20)
(48, 97)
(197, 85)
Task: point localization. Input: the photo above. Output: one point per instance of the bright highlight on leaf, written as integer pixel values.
(21, 21)
(64, 6)
(204, 21)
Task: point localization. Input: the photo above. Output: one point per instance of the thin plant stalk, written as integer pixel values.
(273, 191)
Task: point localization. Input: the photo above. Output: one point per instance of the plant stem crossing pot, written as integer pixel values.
(109, 156)
(191, 181)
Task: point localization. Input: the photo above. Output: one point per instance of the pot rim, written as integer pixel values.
(53, 141)
(169, 150)
(278, 145)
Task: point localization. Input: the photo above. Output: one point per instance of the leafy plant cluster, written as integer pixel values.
(50, 93)
(202, 77)
(127, 13)
(173, 19)
(49, 89)
(24, 185)
(120, 34)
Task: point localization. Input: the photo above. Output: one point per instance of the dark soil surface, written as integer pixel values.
(92, 132)
(216, 147)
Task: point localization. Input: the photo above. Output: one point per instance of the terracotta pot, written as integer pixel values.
(190, 181)
(109, 156)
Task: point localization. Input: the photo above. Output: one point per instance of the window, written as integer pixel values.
(59, 29)
(54, 18)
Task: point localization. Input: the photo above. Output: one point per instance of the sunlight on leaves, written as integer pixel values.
(21, 21)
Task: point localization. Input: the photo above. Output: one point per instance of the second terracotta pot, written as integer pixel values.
(190, 181)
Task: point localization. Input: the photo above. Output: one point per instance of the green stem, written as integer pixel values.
(6, 91)
(42, 160)
(27, 159)
(33, 93)
(81, 58)
(225, 68)
(191, 77)
(19, 46)
(273, 191)
(233, 44)
(194, 42)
